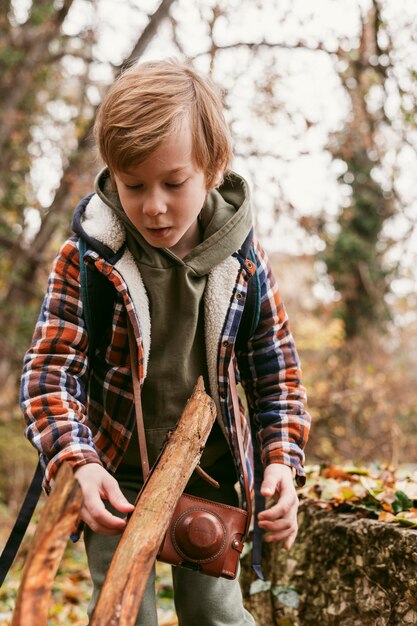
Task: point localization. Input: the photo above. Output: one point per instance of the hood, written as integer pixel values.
(226, 220)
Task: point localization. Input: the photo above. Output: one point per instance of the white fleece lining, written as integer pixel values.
(129, 271)
(100, 222)
(220, 284)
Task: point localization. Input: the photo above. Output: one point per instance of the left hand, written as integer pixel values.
(280, 520)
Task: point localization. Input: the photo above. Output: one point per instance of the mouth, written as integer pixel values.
(159, 232)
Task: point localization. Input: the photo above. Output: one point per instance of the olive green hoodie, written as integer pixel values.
(175, 289)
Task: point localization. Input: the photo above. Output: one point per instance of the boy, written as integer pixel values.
(166, 227)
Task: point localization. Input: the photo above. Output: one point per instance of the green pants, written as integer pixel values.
(199, 599)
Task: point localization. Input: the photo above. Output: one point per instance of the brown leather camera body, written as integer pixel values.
(205, 536)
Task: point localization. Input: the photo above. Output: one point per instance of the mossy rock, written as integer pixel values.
(342, 571)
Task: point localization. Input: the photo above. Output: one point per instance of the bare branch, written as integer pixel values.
(175, 38)
(256, 45)
(148, 33)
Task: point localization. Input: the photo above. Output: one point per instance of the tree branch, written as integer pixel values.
(148, 33)
(255, 45)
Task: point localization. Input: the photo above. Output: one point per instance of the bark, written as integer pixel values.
(58, 520)
(126, 578)
(342, 571)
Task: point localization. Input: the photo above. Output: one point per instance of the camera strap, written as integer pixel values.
(141, 428)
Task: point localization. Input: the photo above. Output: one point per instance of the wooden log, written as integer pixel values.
(126, 578)
(57, 521)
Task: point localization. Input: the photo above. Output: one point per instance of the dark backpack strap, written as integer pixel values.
(247, 327)
(82, 249)
(97, 296)
(260, 502)
(25, 514)
(252, 309)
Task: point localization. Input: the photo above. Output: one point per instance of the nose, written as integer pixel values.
(153, 204)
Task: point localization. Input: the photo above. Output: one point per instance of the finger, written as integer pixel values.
(269, 485)
(268, 488)
(286, 506)
(277, 536)
(105, 525)
(289, 542)
(115, 496)
(98, 527)
(277, 525)
(99, 517)
(276, 478)
(288, 536)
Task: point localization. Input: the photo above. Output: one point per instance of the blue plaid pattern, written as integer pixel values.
(64, 422)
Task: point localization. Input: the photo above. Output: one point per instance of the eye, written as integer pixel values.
(176, 185)
(138, 186)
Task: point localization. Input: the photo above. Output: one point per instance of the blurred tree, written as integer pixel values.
(33, 78)
(356, 256)
(29, 74)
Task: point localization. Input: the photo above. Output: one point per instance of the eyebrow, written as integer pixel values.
(174, 170)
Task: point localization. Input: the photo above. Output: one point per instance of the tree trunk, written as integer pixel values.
(126, 578)
(356, 256)
(342, 571)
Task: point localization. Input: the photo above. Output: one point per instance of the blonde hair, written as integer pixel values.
(148, 102)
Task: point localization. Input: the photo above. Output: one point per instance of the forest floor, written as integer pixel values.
(72, 588)
(380, 493)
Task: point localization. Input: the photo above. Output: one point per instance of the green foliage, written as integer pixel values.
(10, 57)
(354, 259)
(401, 503)
(41, 12)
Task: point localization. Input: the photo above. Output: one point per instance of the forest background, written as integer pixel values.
(321, 100)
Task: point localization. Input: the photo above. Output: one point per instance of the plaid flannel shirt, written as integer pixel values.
(82, 415)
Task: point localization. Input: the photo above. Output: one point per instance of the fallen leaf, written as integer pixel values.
(386, 516)
(337, 473)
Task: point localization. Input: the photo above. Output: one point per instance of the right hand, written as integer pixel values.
(97, 485)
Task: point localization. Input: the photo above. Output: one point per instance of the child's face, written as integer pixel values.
(163, 195)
